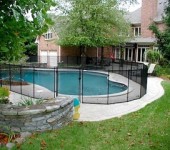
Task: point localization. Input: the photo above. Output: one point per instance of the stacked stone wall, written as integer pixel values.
(47, 116)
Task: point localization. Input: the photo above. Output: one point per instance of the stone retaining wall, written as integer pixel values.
(46, 116)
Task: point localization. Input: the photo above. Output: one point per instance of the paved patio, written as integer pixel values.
(98, 112)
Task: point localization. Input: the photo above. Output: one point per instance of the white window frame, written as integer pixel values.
(136, 31)
(48, 35)
(144, 56)
(117, 53)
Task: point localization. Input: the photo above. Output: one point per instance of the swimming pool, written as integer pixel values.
(73, 82)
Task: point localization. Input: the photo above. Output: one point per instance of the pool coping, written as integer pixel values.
(44, 93)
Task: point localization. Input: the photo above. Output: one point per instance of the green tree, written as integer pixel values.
(87, 23)
(30, 47)
(163, 37)
(17, 27)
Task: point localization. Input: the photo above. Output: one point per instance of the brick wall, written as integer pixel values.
(47, 44)
(70, 51)
(148, 13)
(89, 52)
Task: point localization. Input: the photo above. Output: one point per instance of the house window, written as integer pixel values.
(48, 35)
(141, 53)
(136, 31)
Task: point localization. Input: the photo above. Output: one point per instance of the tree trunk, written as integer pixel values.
(102, 56)
(83, 56)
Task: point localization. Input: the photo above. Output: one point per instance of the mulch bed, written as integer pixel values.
(16, 83)
(4, 139)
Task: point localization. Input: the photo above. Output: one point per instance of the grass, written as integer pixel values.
(162, 71)
(4, 94)
(146, 129)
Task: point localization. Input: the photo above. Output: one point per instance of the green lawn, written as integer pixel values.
(148, 128)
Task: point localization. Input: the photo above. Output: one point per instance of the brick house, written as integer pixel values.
(135, 49)
(151, 11)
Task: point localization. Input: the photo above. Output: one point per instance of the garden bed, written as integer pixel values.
(5, 138)
(13, 82)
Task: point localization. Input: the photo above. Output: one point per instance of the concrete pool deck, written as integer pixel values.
(98, 112)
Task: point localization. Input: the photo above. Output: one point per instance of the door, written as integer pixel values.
(43, 57)
(129, 54)
(53, 59)
(141, 54)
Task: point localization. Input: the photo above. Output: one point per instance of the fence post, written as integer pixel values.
(21, 78)
(146, 79)
(141, 83)
(54, 82)
(1, 74)
(137, 69)
(57, 81)
(80, 85)
(112, 65)
(33, 82)
(9, 76)
(67, 61)
(108, 88)
(128, 87)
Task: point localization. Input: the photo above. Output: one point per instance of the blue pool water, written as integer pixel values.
(69, 82)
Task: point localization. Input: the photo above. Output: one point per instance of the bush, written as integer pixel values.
(30, 101)
(164, 62)
(162, 71)
(158, 71)
(4, 94)
(153, 56)
(168, 76)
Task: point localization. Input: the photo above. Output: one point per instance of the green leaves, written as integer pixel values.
(17, 27)
(4, 49)
(91, 23)
(163, 37)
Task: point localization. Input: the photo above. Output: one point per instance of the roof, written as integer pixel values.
(161, 10)
(134, 17)
(143, 40)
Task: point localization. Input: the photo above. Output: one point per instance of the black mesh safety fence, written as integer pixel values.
(31, 81)
(90, 79)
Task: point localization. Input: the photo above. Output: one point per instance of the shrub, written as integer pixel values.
(158, 71)
(168, 76)
(4, 94)
(30, 101)
(164, 62)
(162, 71)
(153, 56)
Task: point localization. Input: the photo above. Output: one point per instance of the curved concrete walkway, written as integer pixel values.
(98, 112)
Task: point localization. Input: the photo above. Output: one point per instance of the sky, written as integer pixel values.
(134, 6)
(128, 7)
